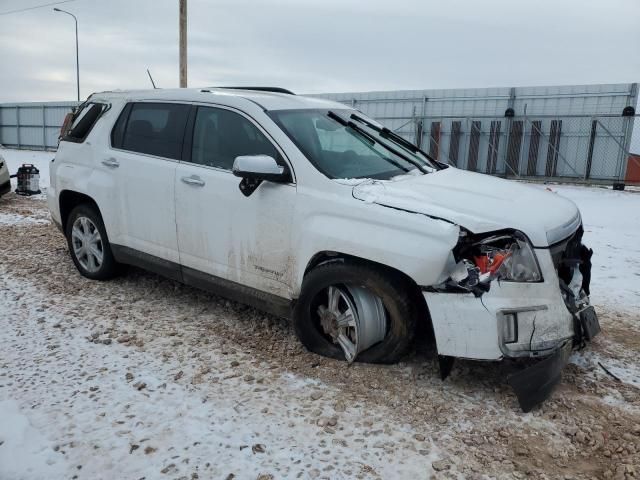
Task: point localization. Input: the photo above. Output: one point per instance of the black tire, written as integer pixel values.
(393, 290)
(109, 267)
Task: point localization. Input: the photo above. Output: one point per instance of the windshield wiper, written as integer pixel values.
(386, 133)
(370, 139)
(360, 130)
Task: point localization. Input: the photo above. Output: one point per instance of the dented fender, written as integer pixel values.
(371, 232)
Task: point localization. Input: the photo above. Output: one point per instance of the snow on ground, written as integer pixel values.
(16, 219)
(626, 371)
(15, 159)
(612, 229)
(106, 398)
(25, 451)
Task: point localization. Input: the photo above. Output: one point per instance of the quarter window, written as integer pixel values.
(152, 128)
(83, 121)
(219, 136)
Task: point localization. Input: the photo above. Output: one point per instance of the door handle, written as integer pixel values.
(111, 162)
(193, 180)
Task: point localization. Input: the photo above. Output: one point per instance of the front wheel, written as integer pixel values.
(88, 244)
(355, 311)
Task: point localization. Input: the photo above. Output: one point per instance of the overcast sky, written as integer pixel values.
(318, 45)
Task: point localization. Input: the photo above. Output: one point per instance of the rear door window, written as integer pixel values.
(152, 128)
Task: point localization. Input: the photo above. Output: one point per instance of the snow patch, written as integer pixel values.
(15, 219)
(25, 453)
(611, 222)
(41, 160)
(589, 360)
(352, 181)
(122, 412)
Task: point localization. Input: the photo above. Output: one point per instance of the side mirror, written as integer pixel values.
(254, 169)
(259, 167)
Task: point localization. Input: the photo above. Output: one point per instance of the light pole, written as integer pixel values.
(77, 57)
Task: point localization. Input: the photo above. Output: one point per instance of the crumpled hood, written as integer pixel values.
(480, 203)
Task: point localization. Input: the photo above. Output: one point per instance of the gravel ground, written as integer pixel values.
(144, 377)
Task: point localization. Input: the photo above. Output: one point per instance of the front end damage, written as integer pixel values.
(503, 298)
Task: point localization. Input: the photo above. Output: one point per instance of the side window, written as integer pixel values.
(152, 128)
(219, 136)
(83, 122)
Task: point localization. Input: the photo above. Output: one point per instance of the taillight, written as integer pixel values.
(66, 124)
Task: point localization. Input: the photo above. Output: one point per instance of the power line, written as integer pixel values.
(37, 6)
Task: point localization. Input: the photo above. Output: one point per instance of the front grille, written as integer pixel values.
(567, 247)
(557, 252)
(568, 255)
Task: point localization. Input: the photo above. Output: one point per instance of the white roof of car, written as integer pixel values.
(266, 100)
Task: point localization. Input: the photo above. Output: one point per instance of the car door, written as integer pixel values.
(221, 233)
(146, 144)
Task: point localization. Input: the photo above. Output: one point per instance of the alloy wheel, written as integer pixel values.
(353, 317)
(87, 244)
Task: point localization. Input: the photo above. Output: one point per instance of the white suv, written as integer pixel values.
(307, 208)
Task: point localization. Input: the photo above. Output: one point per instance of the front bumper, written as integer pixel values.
(533, 385)
(470, 327)
(542, 327)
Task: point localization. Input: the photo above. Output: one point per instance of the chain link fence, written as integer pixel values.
(577, 133)
(591, 149)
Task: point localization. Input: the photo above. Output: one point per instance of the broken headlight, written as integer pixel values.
(520, 264)
(505, 257)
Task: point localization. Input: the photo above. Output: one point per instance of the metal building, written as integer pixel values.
(581, 132)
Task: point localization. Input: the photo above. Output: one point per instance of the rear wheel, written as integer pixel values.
(88, 244)
(354, 311)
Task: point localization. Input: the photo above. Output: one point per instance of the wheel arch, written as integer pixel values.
(328, 256)
(69, 199)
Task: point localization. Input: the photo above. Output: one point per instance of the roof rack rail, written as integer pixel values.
(263, 89)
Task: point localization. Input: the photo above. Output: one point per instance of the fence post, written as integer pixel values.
(524, 142)
(418, 139)
(44, 128)
(18, 126)
(422, 119)
(592, 139)
(507, 132)
(632, 101)
(465, 138)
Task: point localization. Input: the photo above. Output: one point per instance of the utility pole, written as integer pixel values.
(183, 43)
